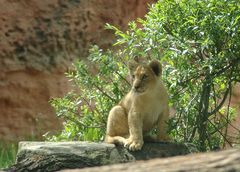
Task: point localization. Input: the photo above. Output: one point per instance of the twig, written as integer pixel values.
(220, 132)
(221, 104)
(103, 92)
(82, 124)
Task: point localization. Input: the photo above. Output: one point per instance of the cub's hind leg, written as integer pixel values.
(117, 126)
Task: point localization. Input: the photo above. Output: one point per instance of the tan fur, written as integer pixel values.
(142, 109)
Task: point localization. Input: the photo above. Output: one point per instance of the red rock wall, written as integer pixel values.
(38, 41)
(234, 128)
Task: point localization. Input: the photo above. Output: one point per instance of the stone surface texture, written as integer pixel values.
(222, 161)
(39, 39)
(52, 156)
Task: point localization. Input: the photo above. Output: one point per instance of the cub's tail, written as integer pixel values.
(118, 140)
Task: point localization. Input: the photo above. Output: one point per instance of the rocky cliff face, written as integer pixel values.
(234, 128)
(38, 41)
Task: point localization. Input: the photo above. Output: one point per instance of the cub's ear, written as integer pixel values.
(156, 67)
(132, 65)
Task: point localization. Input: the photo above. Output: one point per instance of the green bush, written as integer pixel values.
(198, 43)
(102, 84)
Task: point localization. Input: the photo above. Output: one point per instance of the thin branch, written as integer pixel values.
(214, 96)
(237, 129)
(193, 134)
(219, 128)
(123, 78)
(90, 106)
(220, 133)
(103, 92)
(221, 103)
(82, 124)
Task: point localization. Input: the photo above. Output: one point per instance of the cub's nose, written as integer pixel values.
(136, 87)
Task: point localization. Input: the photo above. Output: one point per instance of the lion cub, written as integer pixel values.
(142, 109)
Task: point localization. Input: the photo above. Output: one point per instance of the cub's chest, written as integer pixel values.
(149, 111)
(148, 104)
(150, 119)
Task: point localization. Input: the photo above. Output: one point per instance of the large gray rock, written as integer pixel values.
(222, 161)
(53, 156)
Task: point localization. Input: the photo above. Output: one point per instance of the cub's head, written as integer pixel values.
(144, 76)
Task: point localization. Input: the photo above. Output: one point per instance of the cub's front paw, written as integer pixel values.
(133, 145)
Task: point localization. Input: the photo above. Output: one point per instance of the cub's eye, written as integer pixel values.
(144, 77)
(133, 76)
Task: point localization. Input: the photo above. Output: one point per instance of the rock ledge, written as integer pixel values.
(53, 156)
